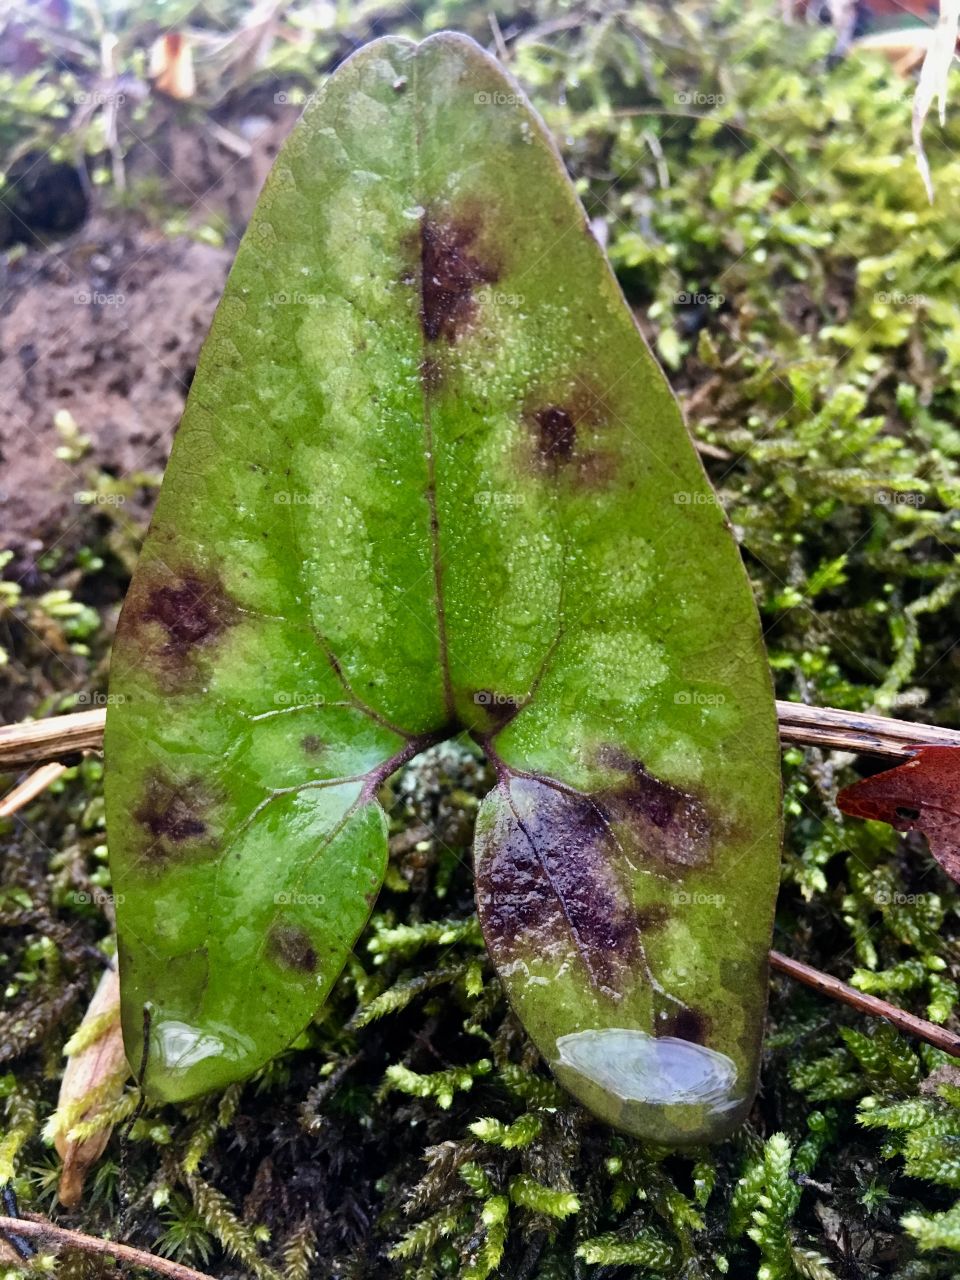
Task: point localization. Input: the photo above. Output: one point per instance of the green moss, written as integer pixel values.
(727, 159)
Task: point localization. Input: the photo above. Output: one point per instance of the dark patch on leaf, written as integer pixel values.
(192, 610)
(293, 948)
(546, 883)
(452, 266)
(312, 744)
(670, 825)
(558, 434)
(686, 1024)
(174, 816)
(430, 374)
(654, 916)
(565, 434)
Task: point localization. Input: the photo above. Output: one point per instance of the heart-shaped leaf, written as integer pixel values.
(922, 794)
(429, 481)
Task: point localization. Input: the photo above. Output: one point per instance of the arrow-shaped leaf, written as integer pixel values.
(430, 480)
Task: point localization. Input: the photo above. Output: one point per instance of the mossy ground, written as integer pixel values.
(769, 226)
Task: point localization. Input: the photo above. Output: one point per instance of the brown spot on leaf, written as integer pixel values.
(312, 744)
(566, 434)
(558, 434)
(174, 816)
(669, 825)
(686, 1024)
(430, 374)
(452, 266)
(192, 612)
(293, 948)
(180, 615)
(547, 885)
(652, 917)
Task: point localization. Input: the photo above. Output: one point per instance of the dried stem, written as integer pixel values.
(33, 785)
(48, 1233)
(64, 736)
(828, 727)
(856, 731)
(827, 985)
(57, 737)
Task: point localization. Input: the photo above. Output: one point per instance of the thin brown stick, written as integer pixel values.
(37, 740)
(827, 985)
(49, 1233)
(857, 731)
(63, 736)
(31, 787)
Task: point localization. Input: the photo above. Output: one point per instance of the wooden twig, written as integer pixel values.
(57, 737)
(48, 1233)
(32, 786)
(827, 985)
(63, 736)
(857, 731)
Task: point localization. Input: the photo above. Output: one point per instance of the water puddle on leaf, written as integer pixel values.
(639, 1068)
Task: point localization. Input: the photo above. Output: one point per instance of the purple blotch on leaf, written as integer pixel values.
(170, 814)
(293, 948)
(451, 268)
(546, 882)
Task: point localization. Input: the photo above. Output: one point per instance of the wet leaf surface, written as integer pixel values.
(921, 795)
(430, 481)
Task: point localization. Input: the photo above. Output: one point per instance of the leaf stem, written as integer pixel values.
(827, 985)
(47, 1232)
(34, 741)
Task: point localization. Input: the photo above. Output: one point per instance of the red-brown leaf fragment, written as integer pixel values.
(921, 795)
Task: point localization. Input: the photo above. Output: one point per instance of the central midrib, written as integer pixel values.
(428, 440)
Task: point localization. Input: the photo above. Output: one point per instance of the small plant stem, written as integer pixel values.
(48, 1233)
(857, 731)
(827, 985)
(31, 787)
(34, 741)
(57, 737)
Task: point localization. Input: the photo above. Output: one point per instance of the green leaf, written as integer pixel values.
(430, 480)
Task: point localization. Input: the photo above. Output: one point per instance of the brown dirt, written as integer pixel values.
(107, 327)
(108, 322)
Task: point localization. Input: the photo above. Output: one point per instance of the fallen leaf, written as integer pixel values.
(921, 795)
(94, 1078)
(171, 66)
